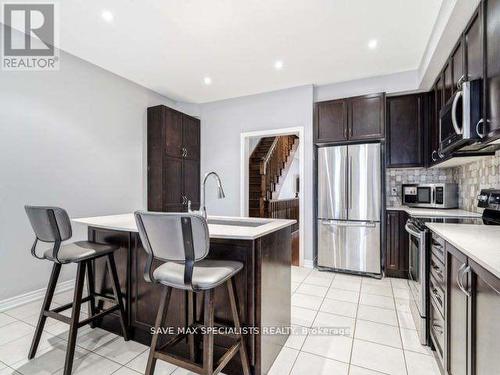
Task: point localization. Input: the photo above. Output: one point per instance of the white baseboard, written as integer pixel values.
(309, 263)
(35, 295)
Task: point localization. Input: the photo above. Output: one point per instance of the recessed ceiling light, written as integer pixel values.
(372, 44)
(107, 16)
(278, 64)
(207, 81)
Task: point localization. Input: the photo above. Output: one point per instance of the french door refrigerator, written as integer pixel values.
(349, 206)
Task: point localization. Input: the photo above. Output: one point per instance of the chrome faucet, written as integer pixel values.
(220, 192)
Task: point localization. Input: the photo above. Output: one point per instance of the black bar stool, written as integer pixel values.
(52, 225)
(182, 241)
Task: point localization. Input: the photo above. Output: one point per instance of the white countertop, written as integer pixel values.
(481, 243)
(126, 223)
(432, 212)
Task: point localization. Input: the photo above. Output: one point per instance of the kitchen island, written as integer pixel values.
(263, 285)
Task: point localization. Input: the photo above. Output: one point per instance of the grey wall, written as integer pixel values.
(73, 138)
(221, 125)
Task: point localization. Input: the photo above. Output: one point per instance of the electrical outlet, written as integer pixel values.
(394, 192)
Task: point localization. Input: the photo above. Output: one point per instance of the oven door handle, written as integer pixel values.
(412, 230)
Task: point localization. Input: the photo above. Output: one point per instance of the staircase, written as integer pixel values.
(268, 167)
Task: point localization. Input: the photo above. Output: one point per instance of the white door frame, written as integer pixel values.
(244, 156)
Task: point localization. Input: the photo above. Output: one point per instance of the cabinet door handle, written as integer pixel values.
(437, 327)
(464, 268)
(434, 155)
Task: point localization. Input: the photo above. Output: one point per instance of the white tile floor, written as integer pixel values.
(381, 338)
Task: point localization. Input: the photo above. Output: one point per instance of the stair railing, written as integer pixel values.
(283, 209)
(274, 161)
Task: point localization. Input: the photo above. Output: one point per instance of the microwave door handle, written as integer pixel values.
(458, 129)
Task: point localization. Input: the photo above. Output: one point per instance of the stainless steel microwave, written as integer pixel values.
(460, 122)
(438, 195)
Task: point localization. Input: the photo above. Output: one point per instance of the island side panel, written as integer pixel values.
(273, 294)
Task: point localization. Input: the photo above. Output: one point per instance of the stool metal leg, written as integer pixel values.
(118, 294)
(91, 290)
(56, 270)
(236, 318)
(208, 339)
(160, 319)
(191, 318)
(75, 317)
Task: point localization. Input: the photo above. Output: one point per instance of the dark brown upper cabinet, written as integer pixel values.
(352, 119)
(191, 137)
(432, 127)
(366, 117)
(172, 131)
(448, 82)
(457, 63)
(492, 31)
(331, 121)
(173, 160)
(405, 131)
(474, 59)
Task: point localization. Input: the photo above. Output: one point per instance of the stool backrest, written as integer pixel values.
(50, 224)
(170, 236)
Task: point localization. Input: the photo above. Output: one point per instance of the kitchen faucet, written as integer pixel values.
(220, 191)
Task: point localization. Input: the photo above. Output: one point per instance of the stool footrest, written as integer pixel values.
(179, 361)
(222, 362)
(97, 316)
(57, 316)
(54, 314)
(69, 305)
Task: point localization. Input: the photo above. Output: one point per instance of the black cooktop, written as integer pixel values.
(489, 199)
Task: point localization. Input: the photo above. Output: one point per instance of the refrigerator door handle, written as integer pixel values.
(349, 223)
(350, 182)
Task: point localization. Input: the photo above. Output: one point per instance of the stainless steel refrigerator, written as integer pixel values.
(349, 206)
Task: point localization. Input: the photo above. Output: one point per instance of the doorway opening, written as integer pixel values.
(272, 183)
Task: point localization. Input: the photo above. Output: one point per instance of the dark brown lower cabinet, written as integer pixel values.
(484, 322)
(456, 312)
(471, 325)
(397, 243)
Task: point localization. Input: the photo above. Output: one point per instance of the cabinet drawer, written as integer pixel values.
(437, 331)
(438, 270)
(437, 294)
(437, 247)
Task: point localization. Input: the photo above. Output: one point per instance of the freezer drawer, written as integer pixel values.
(349, 245)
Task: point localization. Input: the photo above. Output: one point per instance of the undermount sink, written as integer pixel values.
(237, 223)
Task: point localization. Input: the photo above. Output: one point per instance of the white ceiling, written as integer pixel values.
(169, 46)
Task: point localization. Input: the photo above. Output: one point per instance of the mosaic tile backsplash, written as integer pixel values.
(471, 178)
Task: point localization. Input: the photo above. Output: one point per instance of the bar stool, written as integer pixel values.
(52, 225)
(181, 240)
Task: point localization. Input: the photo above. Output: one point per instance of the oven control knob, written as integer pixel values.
(482, 198)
